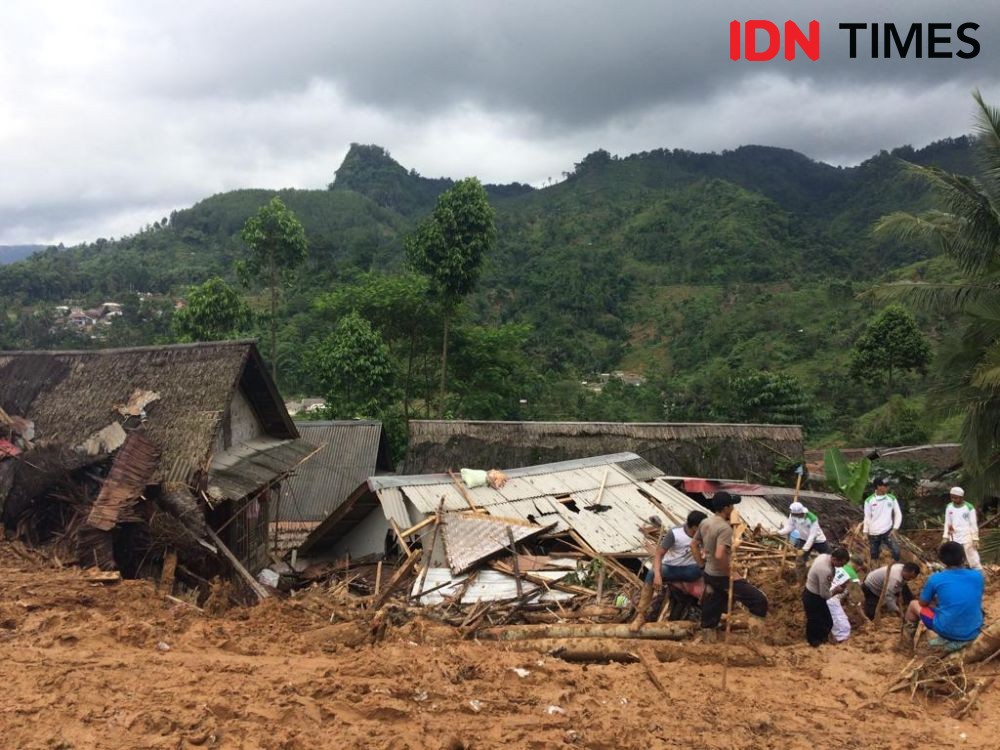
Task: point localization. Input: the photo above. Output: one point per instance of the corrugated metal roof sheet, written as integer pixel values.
(245, 468)
(756, 511)
(471, 538)
(488, 586)
(350, 452)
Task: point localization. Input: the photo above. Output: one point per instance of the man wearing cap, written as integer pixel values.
(712, 549)
(803, 527)
(883, 516)
(960, 525)
(819, 588)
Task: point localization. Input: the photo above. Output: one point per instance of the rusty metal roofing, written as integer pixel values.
(70, 395)
(350, 451)
(469, 539)
(246, 468)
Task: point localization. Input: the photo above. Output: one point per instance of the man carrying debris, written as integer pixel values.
(802, 527)
(712, 549)
(819, 588)
(951, 602)
(960, 525)
(894, 579)
(883, 517)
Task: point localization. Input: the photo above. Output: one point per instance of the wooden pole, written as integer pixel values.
(881, 594)
(517, 565)
(261, 592)
(461, 488)
(398, 576)
(737, 533)
(378, 577)
(430, 552)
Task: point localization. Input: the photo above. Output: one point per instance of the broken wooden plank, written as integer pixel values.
(461, 488)
(420, 526)
(647, 663)
(401, 572)
(255, 586)
(540, 581)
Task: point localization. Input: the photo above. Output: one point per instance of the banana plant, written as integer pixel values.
(849, 479)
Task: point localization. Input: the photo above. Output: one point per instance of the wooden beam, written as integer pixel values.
(422, 525)
(401, 572)
(461, 488)
(668, 631)
(255, 585)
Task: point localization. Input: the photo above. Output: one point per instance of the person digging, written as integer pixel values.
(712, 549)
(819, 588)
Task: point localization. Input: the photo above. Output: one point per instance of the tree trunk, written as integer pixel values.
(409, 376)
(274, 320)
(444, 362)
(664, 631)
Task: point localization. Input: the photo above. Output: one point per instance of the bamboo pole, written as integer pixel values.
(664, 631)
(430, 552)
(737, 534)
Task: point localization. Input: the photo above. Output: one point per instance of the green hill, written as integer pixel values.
(686, 268)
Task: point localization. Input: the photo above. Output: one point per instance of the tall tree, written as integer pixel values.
(354, 369)
(449, 246)
(968, 231)
(277, 245)
(214, 311)
(891, 342)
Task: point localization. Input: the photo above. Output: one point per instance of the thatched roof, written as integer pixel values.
(736, 450)
(70, 395)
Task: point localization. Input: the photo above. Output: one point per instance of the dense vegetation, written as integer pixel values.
(733, 284)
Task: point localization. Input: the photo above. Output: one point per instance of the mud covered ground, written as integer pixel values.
(93, 665)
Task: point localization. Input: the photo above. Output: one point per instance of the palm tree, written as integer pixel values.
(968, 231)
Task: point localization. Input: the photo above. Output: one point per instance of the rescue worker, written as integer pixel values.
(803, 528)
(883, 517)
(960, 525)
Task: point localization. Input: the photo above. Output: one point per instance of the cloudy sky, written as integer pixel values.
(112, 114)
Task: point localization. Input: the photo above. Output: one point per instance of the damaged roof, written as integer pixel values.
(567, 495)
(72, 395)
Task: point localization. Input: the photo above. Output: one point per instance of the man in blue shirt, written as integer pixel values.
(951, 602)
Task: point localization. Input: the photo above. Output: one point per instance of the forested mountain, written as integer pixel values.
(11, 253)
(729, 283)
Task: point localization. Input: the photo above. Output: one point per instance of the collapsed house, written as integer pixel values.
(349, 451)
(562, 513)
(127, 458)
(747, 452)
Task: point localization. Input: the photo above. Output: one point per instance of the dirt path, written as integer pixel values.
(82, 666)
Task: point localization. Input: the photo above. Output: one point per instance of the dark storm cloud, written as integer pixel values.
(112, 112)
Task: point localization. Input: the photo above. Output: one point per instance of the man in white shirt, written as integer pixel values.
(844, 576)
(803, 528)
(883, 516)
(961, 525)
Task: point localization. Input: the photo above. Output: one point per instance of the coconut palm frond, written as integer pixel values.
(987, 128)
(937, 297)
